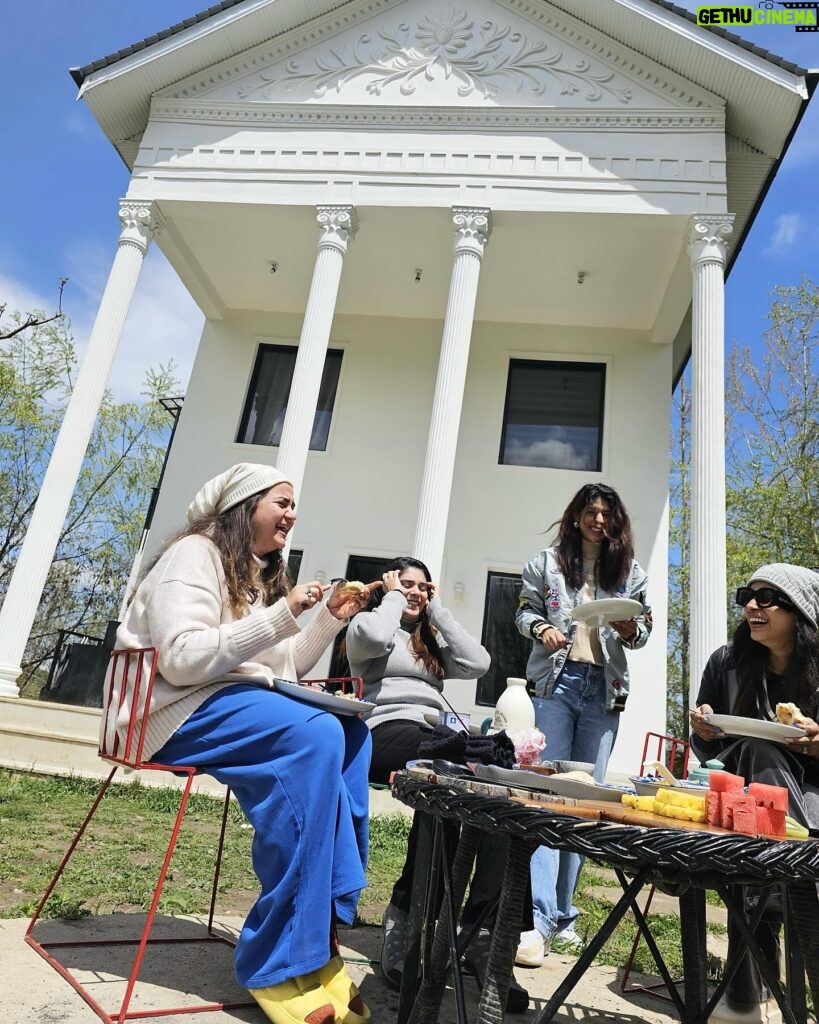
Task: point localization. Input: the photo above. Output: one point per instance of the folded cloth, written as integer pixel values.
(444, 743)
(480, 749)
(503, 753)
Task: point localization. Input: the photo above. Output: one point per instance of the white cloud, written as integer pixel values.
(555, 454)
(163, 321)
(788, 228)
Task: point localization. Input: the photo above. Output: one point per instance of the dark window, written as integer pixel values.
(509, 650)
(553, 415)
(269, 391)
(294, 564)
(365, 569)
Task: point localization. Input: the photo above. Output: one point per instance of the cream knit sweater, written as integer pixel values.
(182, 609)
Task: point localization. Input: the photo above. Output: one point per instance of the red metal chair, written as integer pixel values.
(669, 748)
(139, 668)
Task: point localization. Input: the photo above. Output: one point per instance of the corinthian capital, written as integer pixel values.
(707, 233)
(473, 226)
(139, 222)
(337, 226)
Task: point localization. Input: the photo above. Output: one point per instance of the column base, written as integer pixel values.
(9, 674)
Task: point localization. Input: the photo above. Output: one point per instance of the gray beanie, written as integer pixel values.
(232, 486)
(801, 586)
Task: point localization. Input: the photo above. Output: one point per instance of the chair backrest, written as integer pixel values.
(129, 685)
(675, 748)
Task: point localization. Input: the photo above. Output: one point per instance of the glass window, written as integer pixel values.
(269, 391)
(294, 564)
(554, 415)
(509, 650)
(366, 569)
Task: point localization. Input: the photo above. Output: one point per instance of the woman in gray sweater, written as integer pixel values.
(404, 645)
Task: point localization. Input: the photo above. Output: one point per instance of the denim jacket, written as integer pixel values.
(546, 596)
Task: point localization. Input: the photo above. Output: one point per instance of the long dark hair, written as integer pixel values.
(617, 550)
(800, 678)
(232, 534)
(423, 643)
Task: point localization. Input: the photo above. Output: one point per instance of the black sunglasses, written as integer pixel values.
(765, 597)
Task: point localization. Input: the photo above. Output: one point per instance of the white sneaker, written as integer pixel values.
(531, 949)
(568, 938)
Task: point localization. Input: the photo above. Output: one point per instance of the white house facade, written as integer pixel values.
(452, 260)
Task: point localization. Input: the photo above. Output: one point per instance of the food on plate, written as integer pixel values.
(580, 776)
(789, 714)
(350, 588)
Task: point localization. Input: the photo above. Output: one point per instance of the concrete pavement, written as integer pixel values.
(32, 992)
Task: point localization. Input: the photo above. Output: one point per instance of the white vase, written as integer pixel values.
(514, 710)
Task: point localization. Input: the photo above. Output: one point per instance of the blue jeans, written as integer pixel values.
(578, 728)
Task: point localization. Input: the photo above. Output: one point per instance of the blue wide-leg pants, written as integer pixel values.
(300, 776)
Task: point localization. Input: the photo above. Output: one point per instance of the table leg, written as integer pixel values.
(585, 959)
(692, 941)
(645, 931)
(445, 944)
(794, 961)
(421, 881)
(506, 933)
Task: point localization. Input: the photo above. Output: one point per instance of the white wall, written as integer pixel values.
(361, 495)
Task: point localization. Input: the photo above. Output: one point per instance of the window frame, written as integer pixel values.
(596, 363)
(336, 351)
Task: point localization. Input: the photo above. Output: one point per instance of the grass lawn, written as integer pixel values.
(115, 867)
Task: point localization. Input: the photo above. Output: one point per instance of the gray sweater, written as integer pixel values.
(394, 679)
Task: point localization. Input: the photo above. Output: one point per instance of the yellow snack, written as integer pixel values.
(640, 803)
(674, 798)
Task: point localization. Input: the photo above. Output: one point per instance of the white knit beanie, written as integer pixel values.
(231, 487)
(799, 584)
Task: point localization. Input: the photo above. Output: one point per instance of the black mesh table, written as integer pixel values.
(682, 862)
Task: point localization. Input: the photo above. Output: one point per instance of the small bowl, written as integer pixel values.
(561, 766)
(645, 787)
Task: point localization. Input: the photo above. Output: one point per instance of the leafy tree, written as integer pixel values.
(102, 530)
(678, 566)
(772, 468)
(773, 439)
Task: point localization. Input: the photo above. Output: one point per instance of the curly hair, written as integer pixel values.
(617, 551)
(246, 577)
(800, 678)
(423, 643)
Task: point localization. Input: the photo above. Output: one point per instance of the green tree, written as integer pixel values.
(773, 439)
(103, 527)
(678, 565)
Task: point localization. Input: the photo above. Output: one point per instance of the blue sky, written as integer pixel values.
(60, 180)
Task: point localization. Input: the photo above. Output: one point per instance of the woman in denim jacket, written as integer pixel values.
(579, 672)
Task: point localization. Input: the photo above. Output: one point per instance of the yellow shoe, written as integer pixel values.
(301, 1000)
(335, 980)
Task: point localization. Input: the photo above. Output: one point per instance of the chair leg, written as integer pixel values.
(122, 1014)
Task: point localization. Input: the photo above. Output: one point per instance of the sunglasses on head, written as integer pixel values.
(765, 597)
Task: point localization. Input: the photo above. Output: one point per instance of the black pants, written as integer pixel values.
(395, 743)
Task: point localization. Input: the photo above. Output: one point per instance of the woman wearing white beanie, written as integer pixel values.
(219, 607)
(773, 659)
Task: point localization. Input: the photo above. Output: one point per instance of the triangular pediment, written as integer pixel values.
(490, 53)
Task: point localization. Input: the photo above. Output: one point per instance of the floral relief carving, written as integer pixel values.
(444, 45)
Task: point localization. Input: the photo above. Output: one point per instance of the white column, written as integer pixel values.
(708, 582)
(337, 225)
(472, 230)
(43, 534)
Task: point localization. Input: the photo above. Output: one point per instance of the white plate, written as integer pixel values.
(607, 609)
(327, 701)
(756, 728)
(431, 718)
(522, 779)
